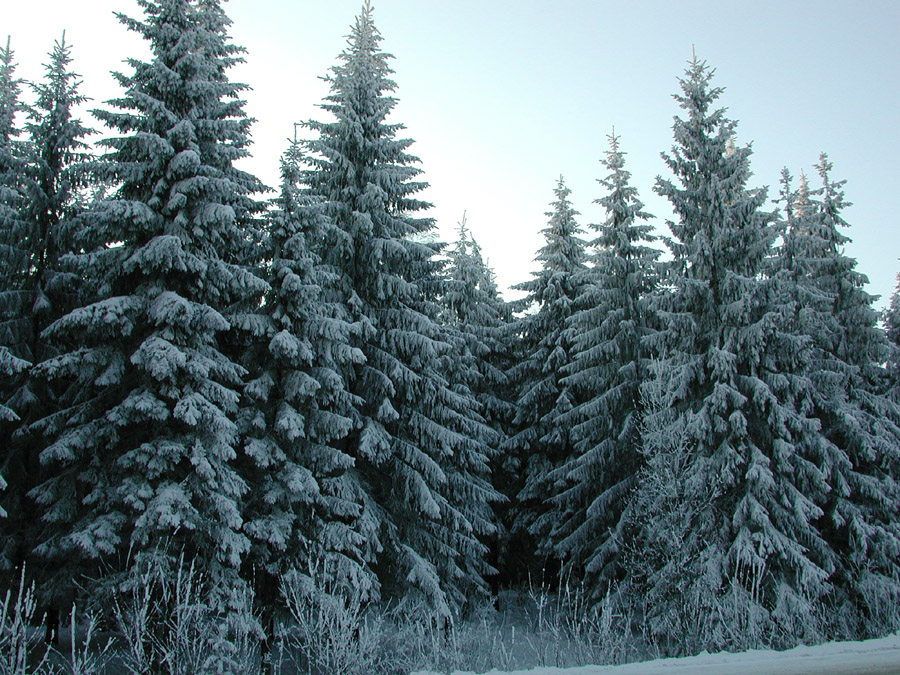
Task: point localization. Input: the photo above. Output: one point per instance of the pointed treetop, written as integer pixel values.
(364, 36)
(613, 142)
(615, 158)
(802, 200)
(463, 230)
(697, 93)
(9, 94)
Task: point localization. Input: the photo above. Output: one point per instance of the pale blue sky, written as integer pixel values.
(503, 96)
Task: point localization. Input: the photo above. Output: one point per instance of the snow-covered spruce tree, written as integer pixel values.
(11, 165)
(539, 443)
(480, 324)
(892, 328)
(420, 448)
(754, 565)
(41, 289)
(140, 461)
(860, 422)
(609, 362)
(52, 175)
(302, 504)
(480, 317)
(14, 267)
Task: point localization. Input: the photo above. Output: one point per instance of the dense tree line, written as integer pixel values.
(311, 386)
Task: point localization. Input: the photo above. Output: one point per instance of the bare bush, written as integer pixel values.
(168, 625)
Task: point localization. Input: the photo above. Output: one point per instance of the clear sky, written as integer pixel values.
(504, 96)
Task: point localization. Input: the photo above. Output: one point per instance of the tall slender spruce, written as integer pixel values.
(11, 203)
(420, 449)
(539, 442)
(608, 330)
(41, 288)
(477, 313)
(302, 505)
(892, 328)
(12, 168)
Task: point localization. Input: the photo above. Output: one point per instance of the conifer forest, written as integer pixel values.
(293, 432)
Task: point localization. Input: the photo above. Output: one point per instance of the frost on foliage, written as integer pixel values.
(726, 384)
(42, 184)
(858, 456)
(387, 283)
(9, 366)
(479, 323)
(609, 363)
(302, 506)
(539, 443)
(143, 452)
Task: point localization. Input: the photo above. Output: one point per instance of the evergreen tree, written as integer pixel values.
(753, 566)
(11, 202)
(12, 167)
(302, 505)
(608, 365)
(480, 324)
(860, 425)
(892, 328)
(477, 313)
(419, 448)
(540, 443)
(140, 460)
(12, 163)
(40, 289)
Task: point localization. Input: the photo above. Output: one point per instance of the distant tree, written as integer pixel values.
(480, 326)
(754, 566)
(480, 317)
(420, 449)
(140, 461)
(609, 362)
(539, 443)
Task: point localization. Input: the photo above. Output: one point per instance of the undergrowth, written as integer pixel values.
(159, 625)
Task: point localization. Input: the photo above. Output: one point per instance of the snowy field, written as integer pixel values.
(873, 657)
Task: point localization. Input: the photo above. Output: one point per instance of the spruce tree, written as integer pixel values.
(479, 317)
(539, 443)
(10, 366)
(892, 329)
(479, 323)
(752, 565)
(11, 202)
(40, 287)
(860, 424)
(140, 461)
(420, 448)
(302, 505)
(609, 362)
(11, 189)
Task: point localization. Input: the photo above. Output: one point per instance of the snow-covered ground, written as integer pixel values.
(872, 657)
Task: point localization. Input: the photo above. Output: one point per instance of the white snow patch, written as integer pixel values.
(872, 657)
